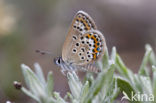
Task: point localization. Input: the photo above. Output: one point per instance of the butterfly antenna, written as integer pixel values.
(43, 52)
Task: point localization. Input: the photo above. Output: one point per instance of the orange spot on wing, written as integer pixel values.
(89, 36)
(94, 56)
(94, 39)
(85, 23)
(95, 49)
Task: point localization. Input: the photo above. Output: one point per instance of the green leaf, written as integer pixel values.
(125, 87)
(84, 92)
(104, 63)
(121, 67)
(113, 55)
(70, 96)
(39, 73)
(154, 80)
(115, 91)
(59, 99)
(106, 58)
(74, 84)
(28, 93)
(50, 84)
(31, 79)
(152, 57)
(136, 83)
(24, 68)
(35, 85)
(89, 77)
(108, 92)
(143, 68)
(103, 80)
(145, 84)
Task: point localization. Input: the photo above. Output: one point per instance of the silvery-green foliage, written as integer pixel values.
(104, 88)
(141, 82)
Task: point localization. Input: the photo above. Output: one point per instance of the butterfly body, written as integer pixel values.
(70, 67)
(83, 46)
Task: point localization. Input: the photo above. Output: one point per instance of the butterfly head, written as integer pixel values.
(58, 61)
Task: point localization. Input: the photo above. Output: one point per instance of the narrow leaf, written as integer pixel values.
(49, 85)
(125, 87)
(152, 57)
(39, 73)
(143, 69)
(154, 80)
(28, 93)
(102, 81)
(59, 99)
(104, 62)
(121, 67)
(113, 56)
(74, 84)
(84, 92)
(33, 82)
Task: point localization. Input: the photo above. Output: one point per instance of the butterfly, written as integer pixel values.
(83, 46)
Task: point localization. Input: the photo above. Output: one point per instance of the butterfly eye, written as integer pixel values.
(57, 61)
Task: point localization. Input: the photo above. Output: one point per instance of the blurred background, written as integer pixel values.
(27, 25)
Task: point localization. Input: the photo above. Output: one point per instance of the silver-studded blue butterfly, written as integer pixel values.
(84, 45)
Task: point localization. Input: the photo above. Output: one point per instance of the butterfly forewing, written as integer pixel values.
(81, 23)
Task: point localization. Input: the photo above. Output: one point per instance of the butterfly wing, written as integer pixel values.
(81, 23)
(87, 48)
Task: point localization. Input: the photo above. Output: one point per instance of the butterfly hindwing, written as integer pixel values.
(87, 48)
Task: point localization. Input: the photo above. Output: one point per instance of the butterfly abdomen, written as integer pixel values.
(92, 68)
